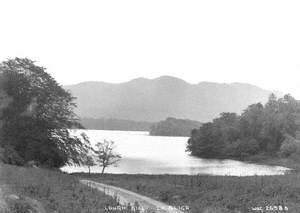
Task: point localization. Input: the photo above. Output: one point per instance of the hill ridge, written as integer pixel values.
(155, 99)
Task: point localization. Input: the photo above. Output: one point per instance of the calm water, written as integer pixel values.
(144, 154)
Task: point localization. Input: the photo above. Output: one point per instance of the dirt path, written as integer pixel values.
(146, 204)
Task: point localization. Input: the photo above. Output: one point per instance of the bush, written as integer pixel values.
(290, 147)
(10, 156)
(19, 205)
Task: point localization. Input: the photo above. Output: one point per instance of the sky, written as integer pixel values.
(256, 42)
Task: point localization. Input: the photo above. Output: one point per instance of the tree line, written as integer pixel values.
(115, 124)
(271, 129)
(174, 127)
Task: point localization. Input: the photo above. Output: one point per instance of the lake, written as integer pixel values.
(145, 154)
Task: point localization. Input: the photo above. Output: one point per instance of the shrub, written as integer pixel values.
(290, 147)
(10, 156)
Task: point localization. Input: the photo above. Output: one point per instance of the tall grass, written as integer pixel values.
(57, 192)
(221, 193)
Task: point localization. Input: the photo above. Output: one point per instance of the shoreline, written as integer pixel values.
(286, 166)
(292, 164)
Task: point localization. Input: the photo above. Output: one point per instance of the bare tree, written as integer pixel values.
(106, 155)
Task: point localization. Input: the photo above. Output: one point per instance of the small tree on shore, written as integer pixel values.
(90, 162)
(106, 155)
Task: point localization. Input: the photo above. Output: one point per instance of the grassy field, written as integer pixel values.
(62, 193)
(58, 192)
(215, 193)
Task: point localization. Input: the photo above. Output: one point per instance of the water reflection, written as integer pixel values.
(144, 154)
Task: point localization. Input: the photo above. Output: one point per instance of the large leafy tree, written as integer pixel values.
(36, 122)
(212, 138)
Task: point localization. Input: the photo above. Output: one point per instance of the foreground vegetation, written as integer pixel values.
(37, 116)
(216, 193)
(56, 191)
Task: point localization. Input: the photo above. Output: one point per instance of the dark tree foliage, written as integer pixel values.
(260, 129)
(36, 121)
(174, 127)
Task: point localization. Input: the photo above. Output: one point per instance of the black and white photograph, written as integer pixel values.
(162, 106)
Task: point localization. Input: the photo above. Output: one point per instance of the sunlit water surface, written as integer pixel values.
(144, 154)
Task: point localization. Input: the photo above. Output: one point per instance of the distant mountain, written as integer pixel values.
(115, 124)
(174, 127)
(156, 99)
